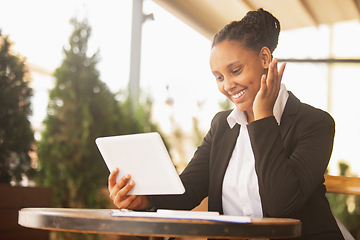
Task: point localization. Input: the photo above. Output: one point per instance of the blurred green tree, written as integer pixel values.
(81, 108)
(140, 119)
(16, 135)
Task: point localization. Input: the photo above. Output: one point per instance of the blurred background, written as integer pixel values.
(75, 59)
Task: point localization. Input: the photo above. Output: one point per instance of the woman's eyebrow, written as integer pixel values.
(228, 66)
(235, 62)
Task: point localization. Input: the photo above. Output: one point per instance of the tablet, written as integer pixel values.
(145, 157)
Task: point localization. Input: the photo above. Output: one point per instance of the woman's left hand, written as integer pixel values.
(269, 89)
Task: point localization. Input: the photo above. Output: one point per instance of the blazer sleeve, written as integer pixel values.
(290, 170)
(195, 177)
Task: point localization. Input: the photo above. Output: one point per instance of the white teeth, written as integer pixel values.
(239, 94)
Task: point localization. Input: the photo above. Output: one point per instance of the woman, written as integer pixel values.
(267, 157)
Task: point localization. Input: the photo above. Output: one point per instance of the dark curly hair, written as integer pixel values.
(256, 30)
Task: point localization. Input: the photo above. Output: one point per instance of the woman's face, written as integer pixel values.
(238, 71)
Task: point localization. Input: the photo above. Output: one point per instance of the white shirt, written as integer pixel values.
(240, 194)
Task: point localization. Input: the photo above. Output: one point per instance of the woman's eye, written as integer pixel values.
(237, 70)
(219, 78)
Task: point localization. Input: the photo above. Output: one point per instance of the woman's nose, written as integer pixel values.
(229, 84)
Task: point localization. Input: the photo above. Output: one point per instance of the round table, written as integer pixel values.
(99, 221)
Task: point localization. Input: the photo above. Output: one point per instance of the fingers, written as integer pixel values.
(140, 202)
(112, 178)
(270, 81)
(122, 185)
(269, 89)
(281, 70)
(274, 77)
(272, 73)
(263, 83)
(121, 200)
(119, 190)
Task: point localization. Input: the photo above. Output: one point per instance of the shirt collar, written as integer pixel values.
(239, 117)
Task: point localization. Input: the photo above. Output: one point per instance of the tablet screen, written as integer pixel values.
(145, 157)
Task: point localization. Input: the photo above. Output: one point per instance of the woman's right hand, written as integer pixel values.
(118, 191)
(265, 99)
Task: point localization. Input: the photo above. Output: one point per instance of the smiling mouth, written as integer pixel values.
(238, 95)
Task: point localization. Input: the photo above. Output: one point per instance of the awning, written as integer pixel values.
(209, 16)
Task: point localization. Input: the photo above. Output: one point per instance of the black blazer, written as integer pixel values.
(290, 161)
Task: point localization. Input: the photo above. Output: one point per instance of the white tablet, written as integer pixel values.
(145, 157)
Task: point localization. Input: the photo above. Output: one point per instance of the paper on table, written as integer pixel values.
(176, 214)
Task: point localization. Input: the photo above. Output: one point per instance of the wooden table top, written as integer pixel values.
(99, 221)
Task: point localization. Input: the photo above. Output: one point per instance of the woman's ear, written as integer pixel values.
(265, 57)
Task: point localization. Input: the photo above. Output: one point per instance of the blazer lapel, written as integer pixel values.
(288, 116)
(227, 145)
(221, 162)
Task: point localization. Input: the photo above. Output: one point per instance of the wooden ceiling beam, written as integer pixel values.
(185, 11)
(209, 16)
(332, 11)
(231, 10)
(310, 11)
(357, 4)
(291, 13)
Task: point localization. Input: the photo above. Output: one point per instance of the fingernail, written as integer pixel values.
(132, 183)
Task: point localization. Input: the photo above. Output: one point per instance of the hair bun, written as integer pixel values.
(268, 25)
(256, 30)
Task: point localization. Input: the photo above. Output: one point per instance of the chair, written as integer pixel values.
(334, 184)
(343, 185)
